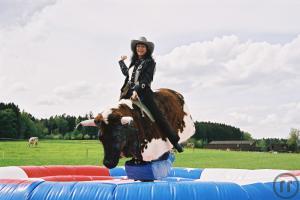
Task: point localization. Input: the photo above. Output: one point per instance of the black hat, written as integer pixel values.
(144, 41)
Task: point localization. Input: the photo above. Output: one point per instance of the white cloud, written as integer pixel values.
(243, 83)
(19, 12)
(74, 91)
(228, 61)
(241, 117)
(48, 100)
(270, 118)
(19, 87)
(235, 62)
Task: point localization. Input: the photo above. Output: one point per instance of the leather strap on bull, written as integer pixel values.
(143, 109)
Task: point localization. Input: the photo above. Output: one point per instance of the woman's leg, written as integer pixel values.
(128, 95)
(161, 121)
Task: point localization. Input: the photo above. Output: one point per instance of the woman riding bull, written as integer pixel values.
(139, 76)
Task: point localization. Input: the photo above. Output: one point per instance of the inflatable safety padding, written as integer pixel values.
(272, 191)
(180, 190)
(16, 189)
(186, 183)
(190, 173)
(43, 171)
(69, 178)
(73, 190)
(176, 172)
(117, 171)
(176, 179)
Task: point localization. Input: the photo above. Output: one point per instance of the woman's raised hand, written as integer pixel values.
(123, 58)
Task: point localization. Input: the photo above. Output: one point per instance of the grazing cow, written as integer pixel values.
(190, 145)
(33, 141)
(125, 131)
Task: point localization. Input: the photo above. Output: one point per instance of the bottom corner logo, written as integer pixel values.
(286, 185)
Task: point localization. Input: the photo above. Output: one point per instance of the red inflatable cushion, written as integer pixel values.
(75, 178)
(43, 171)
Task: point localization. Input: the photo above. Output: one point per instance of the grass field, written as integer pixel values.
(89, 152)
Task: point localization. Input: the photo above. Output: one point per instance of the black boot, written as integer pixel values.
(173, 138)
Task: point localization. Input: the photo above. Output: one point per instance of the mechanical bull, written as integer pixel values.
(125, 132)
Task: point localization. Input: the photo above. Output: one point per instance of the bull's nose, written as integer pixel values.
(109, 164)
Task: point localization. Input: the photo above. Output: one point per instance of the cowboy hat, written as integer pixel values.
(144, 41)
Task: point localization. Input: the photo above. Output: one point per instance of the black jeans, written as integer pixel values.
(147, 98)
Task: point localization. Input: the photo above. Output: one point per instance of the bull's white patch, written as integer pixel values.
(126, 120)
(155, 149)
(127, 102)
(189, 129)
(105, 115)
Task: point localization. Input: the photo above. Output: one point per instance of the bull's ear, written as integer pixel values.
(127, 120)
(98, 119)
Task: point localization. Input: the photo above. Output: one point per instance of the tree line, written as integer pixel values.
(210, 131)
(16, 124)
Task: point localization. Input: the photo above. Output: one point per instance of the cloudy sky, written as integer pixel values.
(235, 61)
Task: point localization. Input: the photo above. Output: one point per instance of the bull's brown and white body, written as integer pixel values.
(153, 143)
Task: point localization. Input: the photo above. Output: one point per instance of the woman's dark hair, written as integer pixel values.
(135, 56)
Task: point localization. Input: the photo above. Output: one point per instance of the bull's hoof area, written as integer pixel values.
(145, 180)
(178, 147)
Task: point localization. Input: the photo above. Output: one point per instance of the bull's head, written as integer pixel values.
(118, 136)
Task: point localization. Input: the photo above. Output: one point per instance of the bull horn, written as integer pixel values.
(126, 120)
(89, 122)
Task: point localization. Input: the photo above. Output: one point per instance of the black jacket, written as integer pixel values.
(145, 78)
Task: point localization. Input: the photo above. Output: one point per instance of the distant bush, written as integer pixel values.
(79, 136)
(58, 136)
(199, 144)
(67, 136)
(54, 137)
(86, 137)
(48, 137)
(262, 145)
(72, 136)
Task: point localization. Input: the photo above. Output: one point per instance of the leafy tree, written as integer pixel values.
(42, 131)
(208, 131)
(71, 122)
(16, 111)
(62, 124)
(262, 145)
(247, 136)
(8, 123)
(28, 128)
(294, 140)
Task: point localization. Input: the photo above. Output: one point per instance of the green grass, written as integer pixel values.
(90, 152)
